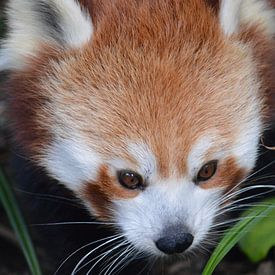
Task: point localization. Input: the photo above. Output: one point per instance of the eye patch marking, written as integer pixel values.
(103, 191)
(227, 175)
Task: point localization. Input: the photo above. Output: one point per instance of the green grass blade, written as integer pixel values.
(9, 202)
(234, 234)
(257, 243)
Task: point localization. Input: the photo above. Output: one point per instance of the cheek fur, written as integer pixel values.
(101, 193)
(228, 175)
(173, 202)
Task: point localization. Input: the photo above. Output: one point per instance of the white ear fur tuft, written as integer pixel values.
(75, 23)
(34, 22)
(235, 13)
(230, 16)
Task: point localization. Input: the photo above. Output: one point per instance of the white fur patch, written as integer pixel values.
(258, 12)
(230, 16)
(72, 162)
(145, 158)
(196, 157)
(27, 30)
(235, 13)
(177, 203)
(76, 24)
(198, 154)
(246, 145)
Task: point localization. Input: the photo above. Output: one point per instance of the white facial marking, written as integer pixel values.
(230, 16)
(72, 162)
(28, 30)
(181, 203)
(234, 13)
(169, 202)
(118, 164)
(246, 145)
(250, 126)
(145, 158)
(76, 23)
(197, 155)
(254, 12)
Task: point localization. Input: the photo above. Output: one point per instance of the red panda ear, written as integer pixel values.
(61, 23)
(252, 22)
(248, 13)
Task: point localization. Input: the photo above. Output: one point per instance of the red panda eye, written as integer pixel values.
(130, 180)
(207, 171)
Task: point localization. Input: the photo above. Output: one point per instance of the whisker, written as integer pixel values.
(127, 262)
(92, 251)
(266, 177)
(239, 219)
(222, 232)
(75, 200)
(144, 268)
(81, 248)
(249, 176)
(152, 265)
(118, 262)
(246, 206)
(246, 189)
(109, 261)
(127, 259)
(202, 247)
(102, 256)
(70, 223)
(236, 202)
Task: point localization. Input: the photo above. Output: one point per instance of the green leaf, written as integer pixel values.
(234, 234)
(257, 242)
(9, 202)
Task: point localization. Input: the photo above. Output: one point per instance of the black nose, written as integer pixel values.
(174, 243)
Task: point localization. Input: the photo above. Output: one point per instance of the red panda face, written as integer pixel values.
(150, 116)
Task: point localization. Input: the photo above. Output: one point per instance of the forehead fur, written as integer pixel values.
(145, 76)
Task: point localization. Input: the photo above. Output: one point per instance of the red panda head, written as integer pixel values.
(148, 110)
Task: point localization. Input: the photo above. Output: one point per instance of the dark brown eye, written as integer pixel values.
(130, 180)
(207, 171)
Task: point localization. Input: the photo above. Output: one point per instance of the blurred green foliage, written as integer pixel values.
(257, 243)
(254, 232)
(8, 200)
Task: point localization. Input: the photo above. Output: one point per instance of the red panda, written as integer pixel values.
(149, 111)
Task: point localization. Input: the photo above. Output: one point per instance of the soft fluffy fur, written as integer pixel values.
(158, 87)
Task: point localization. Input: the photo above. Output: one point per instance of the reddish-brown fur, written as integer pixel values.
(264, 54)
(103, 191)
(155, 71)
(228, 174)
